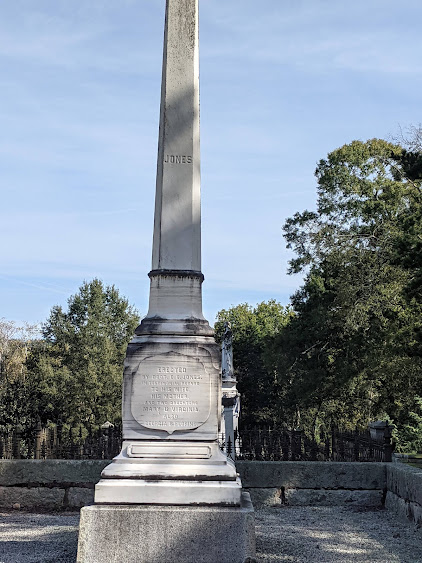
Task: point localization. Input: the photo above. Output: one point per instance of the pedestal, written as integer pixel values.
(167, 534)
(170, 454)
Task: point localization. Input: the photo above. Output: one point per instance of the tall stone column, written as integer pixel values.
(175, 295)
(170, 464)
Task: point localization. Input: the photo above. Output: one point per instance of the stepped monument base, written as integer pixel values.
(167, 534)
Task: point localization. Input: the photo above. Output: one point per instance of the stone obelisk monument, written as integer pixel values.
(171, 494)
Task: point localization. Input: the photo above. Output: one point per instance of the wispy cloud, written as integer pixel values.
(72, 36)
(321, 36)
(44, 286)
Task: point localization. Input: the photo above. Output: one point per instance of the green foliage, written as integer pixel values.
(76, 372)
(355, 341)
(350, 351)
(253, 331)
(15, 345)
(409, 432)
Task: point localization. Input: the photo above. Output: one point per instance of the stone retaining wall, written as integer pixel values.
(56, 484)
(323, 483)
(404, 491)
(60, 484)
(48, 484)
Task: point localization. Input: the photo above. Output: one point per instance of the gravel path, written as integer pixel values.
(333, 534)
(36, 538)
(299, 534)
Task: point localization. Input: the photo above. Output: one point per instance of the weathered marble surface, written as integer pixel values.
(171, 389)
(172, 382)
(177, 223)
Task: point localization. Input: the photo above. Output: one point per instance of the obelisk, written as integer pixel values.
(176, 278)
(171, 470)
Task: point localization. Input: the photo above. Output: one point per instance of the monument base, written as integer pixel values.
(176, 473)
(132, 491)
(170, 534)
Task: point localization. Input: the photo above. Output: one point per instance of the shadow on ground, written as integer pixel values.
(334, 534)
(38, 538)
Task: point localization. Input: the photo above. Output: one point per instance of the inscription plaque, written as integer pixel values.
(171, 392)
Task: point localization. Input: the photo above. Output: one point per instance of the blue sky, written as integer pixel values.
(282, 84)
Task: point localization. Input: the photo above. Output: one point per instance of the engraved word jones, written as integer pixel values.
(178, 159)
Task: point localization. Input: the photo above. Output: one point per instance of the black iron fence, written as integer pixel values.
(261, 444)
(280, 444)
(57, 442)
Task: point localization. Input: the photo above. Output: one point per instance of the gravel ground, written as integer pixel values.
(331, 534)
(300, 534)
(36, 538)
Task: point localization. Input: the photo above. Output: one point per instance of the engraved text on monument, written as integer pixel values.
(171, 393)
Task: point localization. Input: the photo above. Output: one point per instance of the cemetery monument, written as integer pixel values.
(171, 494)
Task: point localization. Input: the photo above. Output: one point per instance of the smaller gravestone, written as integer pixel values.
(227, 371)
(231, 398)
(378, 430)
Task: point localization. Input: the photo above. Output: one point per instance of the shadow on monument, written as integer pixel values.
(175, 197)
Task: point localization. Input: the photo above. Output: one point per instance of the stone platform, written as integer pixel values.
(167, 534)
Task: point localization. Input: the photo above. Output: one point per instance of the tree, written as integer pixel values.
(15, 345)
(253, 331)
(410, 138)
(77, 371)
(353, 350)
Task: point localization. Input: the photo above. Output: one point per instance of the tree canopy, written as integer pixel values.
(76, 371)
(254, 329)
(355, 341)
(15, 345)
(350, 349)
